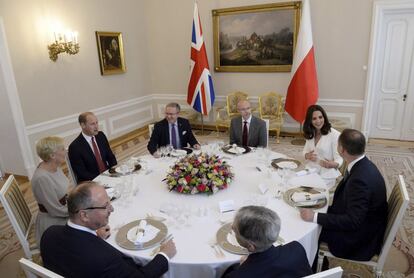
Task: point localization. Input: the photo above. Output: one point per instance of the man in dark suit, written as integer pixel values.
(172, 130)
(90, 153)
(257, 228)
(75, 250)
(355, 223)
(247, 130)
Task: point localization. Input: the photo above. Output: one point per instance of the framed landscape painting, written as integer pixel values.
(258, 38)
(111, 52)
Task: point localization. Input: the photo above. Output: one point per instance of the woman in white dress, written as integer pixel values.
(50, 185)
(321, 145)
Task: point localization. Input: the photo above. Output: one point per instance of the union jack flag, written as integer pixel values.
(200, 88)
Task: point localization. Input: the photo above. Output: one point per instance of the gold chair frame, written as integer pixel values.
(271, 107)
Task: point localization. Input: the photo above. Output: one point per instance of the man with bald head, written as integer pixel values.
(90, 153)
(75, 250)
(247, 130)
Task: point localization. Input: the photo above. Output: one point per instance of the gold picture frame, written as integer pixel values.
(111, 52)
(258, 38)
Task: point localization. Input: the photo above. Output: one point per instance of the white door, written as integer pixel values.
(392, 114)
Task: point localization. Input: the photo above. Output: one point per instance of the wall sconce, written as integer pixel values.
(67, 42)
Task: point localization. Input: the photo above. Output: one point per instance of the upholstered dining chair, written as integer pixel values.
(271, 108)
(20, 216)
(330, 273)
(397, 205)
(226, 113)
(34, 270)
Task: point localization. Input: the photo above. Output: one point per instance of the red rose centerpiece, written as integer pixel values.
(199, 173)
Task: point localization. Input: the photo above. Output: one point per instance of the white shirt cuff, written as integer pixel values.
(165, 255)
(315, 218)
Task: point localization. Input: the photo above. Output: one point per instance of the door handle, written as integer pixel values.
(404, 97)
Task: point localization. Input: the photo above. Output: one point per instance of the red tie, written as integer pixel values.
(98, 157)
(245, 134)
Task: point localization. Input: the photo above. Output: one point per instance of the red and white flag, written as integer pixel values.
(200, 88)
(303, 88)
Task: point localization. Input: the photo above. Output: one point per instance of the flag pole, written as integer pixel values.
(202, 123)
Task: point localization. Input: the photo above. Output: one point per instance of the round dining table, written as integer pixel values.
(193, 220)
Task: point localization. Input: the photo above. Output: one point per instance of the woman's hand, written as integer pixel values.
(328, 164)
(312, 156)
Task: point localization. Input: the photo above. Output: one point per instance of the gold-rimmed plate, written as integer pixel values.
(222, 240)
(240, 150)
(317, 204)
(285, 163)
(122, 240)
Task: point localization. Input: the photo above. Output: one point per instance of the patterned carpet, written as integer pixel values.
(390, 160)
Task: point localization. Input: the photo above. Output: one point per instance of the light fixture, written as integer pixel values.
(64, 42)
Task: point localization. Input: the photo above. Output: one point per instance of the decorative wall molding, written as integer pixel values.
(128, 127)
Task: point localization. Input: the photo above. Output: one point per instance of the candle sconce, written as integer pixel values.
(67, 42)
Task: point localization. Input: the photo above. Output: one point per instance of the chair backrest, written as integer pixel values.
(18, 212)
(232, 100)
(72, 175)
(330, 273)
(397, 205)
(150, 129)
(271, 106)
(34, 270)
(267, 121)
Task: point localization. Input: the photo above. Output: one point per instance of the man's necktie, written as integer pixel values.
(173, 137)
(245, 134)
(98, 157)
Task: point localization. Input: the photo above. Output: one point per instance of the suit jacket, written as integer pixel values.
(82, 158)
(257, 132)
(287, 260)
(354, 225)
(161, 135)
(75, 253)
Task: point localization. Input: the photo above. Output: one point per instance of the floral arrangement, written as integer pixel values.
(199, 173)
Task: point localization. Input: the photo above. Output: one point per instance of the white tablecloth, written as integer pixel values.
(195, 257)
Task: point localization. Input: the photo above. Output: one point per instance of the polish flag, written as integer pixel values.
(303, 88)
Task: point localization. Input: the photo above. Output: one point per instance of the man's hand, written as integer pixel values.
(197, 146)
(104, 232)
(307, 214)
(168, 248)
(156, 154)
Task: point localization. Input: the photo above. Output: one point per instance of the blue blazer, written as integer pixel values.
(161, 135)
(284, 261)
(82, 158)
(355, 223)
(75, 253)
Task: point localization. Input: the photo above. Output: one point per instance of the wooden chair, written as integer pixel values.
(330, 273)
(397, 205)
(271, 108)
(150, 129)
(34, 270)
(20, 216)
(226, 113)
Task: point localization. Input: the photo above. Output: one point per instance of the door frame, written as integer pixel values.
(380, 7)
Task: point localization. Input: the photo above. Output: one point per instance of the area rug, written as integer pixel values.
(390, 160)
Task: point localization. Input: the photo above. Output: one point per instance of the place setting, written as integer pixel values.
(306, 197)
(236, 150)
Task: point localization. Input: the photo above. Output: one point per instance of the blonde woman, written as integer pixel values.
(50, 185)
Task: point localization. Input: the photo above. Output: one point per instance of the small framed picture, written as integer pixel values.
(111, 52)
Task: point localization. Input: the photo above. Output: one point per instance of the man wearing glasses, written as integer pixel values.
(173, 130)
(75, 250)
(247, 130)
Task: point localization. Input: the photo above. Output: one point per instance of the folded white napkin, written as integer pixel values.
(298, 197)
(142, 233)
(306, 172)
(287, 165)
(110, 192)
(231, 238)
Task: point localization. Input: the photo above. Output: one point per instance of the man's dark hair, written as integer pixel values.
(353, 141)
(174, 105)
(80, 197)
(82, 117)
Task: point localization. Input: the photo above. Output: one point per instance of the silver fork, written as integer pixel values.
(219, 254)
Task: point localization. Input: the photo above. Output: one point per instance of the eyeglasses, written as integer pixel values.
(244, 109)
(171, 114)
(107, 207)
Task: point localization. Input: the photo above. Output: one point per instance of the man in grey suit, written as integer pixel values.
(247, 130)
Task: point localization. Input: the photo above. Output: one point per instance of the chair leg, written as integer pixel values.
(378, 273)
(320, 261)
